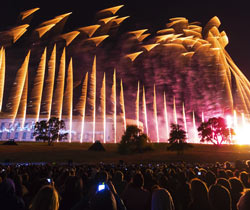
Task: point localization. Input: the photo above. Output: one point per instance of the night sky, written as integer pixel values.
(234, 16)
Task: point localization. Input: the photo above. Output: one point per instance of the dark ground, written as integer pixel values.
(62, 152)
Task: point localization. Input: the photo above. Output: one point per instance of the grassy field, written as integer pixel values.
(62, 152)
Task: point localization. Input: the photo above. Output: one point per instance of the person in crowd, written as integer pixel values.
(182, 196)
(244, 178)
(73, 192)
(210, 178)
(77, 186)
(46, 199)
(103, 200)
(224, 182)
(219, 198)
(135, 196)
(162, 200)
(237, 190)
(8, 198)
(119, 182)
(244, 201)
(199, 194)
(149, 181)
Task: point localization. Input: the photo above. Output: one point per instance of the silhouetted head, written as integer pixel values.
(102, 176)
(199, 190)
(222, 174)
(73, 185)
(229, 173)
(118, 176)
(7, 187)
(236, 184)
(210, 178)
(162, 200)
(103, 200)
(138, 180)
(219, 197)
(46, 199)
(227, 165)
(224, 182)
(244, 178)
(244, 201)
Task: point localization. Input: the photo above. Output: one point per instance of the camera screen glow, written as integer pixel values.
(101, 187)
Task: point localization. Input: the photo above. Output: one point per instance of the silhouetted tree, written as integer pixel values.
(178, 139)
(133, 140)
(51, 130)
(215, 130)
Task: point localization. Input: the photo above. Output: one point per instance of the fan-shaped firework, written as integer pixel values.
(183, 63)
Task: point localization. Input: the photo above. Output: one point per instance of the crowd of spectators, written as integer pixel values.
(121, 186)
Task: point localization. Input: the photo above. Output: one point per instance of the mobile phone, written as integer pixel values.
(101, 187)
(49, 180)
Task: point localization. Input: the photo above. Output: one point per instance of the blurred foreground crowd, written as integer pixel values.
(121, 186)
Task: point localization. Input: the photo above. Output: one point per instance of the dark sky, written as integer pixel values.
(234, 16)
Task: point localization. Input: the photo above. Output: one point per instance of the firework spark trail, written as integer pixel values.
(194, 128)
(242, 95)
(122, 103)
(81, 105)
(113, 100)
(202, 117)
(93, 96)
(174, 112)
(184, 118)
(107, 20)
(242, 83)
(227, 77)
(53, 21)
(149, 47)
(142, 37)
(58, 101)
(89, 30)
(144, 104)
(98, 40)
(103, 106)
(18, 31)
(23, 103)
(23, 15)
(17, 89)
(133, 56)
(44, 29)
(138, 33)
(68, 97)
(137, 105)
(118, 21)
(56, 19)
(69, 37)
(2, 76)
(36, 93)
(166, 115)
(112, 10)
(155, 116)
(49, 84)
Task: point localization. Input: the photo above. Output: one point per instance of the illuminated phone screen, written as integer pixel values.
(101, 187)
